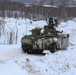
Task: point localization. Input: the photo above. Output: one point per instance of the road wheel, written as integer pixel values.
(52, 47)
(26, 47)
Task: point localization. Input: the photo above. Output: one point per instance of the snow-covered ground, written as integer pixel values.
(14, 62)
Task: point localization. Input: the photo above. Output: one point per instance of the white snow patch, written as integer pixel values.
(14, 62)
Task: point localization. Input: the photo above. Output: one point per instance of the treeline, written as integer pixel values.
(35, 12)
(12, 9)
(63, 13)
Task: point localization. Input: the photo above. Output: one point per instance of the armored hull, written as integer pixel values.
(33, 45)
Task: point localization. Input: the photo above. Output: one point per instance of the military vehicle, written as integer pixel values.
(47, 38)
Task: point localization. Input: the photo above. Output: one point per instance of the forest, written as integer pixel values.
(36, 12)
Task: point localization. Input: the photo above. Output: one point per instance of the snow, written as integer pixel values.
(49, 5)
(14, 29)
(14, 62)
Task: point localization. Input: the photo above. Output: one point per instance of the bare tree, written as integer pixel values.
(41, 3)
(63, 10)
(34, 8)
(52, 3)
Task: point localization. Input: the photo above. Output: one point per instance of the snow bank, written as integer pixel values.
(12, 30)
(69, 27)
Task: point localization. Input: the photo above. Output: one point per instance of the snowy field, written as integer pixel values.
(14, 62)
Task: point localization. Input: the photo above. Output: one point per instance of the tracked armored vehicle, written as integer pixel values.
(47, 38)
